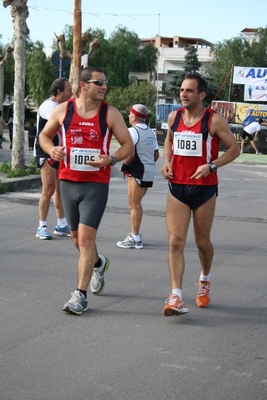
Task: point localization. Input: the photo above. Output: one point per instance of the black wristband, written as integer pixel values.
(125, 168)
(213, 167)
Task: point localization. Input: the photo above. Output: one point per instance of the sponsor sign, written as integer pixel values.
(249, 75)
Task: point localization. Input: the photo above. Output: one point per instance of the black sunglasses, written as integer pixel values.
(98, 82)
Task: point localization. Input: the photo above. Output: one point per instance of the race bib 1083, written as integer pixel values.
(187, 144)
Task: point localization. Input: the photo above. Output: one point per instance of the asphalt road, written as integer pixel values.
(124, 347)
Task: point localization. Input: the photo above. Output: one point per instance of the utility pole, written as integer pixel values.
(77, 46)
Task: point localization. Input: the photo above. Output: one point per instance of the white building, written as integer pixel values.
(171, 52)
(171, 56)
(250, 34)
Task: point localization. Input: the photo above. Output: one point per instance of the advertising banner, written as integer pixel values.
(250, 76)
(256, 92)
(254, 115)
(234, 113)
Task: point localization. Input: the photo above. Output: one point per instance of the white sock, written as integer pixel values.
(42, 223)
(204, 278)
(178, 293)
(62, 222)
(137, 237)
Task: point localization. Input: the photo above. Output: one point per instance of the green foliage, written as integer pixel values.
(39, 72)
(191, 63)
(176, 84)
(125, 45)
(212, 90)
(146, 61)
(144, 93)
(191, 66)
(236, 52)
(28, 170)
(121, 54)
(5, 167)
(9, 68)
(226, 54)
(32, 168)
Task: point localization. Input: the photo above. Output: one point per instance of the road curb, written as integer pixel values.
(21, 183)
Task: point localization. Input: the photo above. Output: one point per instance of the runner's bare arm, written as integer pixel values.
(51, 128)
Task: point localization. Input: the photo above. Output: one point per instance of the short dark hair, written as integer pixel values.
(58, 84)
(86, 73)
(202, 84)
(260, 121)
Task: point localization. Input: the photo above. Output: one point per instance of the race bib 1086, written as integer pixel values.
(79, 157)
(187, 144)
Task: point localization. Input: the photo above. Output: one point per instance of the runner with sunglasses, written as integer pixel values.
(87, 125)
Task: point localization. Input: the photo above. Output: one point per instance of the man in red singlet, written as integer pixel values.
(191, 152)
(87, 124)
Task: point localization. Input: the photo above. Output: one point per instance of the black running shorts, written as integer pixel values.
(245, 134)
(40, 162)
(193, 195)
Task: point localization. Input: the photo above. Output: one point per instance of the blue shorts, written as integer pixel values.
(193, 195)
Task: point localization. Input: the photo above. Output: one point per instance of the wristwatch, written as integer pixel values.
(113, 162)
(213, 167)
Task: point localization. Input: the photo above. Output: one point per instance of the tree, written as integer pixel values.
(125, 45)
(19, 13)
(236, 52)
(258, 49)
(176, 84)
(191, 63)
(226, 54)
(123, 99)
(38, 85)
(103, 59)
(86, 42)
(146, 60)
(9, 78)
(121, 54)
(192, 66)
(3, 61)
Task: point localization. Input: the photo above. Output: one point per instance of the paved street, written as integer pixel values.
(124, 347)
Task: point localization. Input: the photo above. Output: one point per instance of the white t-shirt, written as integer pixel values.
(252, 128)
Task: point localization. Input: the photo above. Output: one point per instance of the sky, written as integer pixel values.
(212, 20)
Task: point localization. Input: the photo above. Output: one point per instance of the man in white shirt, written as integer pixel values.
(140, 170)
(251, 131)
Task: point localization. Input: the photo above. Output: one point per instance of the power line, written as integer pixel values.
(96, 14)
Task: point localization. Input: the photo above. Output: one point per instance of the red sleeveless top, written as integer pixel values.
(193, 146)
(84, 139)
